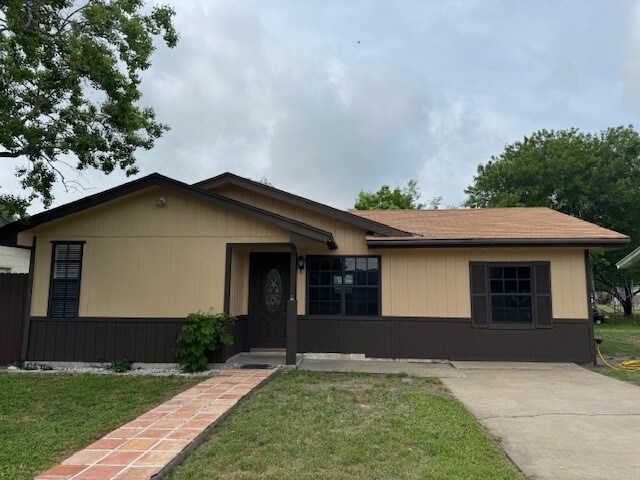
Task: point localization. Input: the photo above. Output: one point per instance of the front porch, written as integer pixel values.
(261, 291)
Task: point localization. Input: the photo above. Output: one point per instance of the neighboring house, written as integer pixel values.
(115, 274)
(13, 260)
(630, 261)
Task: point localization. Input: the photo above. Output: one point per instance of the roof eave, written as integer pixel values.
(156, 179)
(608, 243)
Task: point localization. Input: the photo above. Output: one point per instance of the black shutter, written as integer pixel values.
(479, 307)
(64, 286)
(542, 276)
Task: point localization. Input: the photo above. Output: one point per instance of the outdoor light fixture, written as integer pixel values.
(300, 263)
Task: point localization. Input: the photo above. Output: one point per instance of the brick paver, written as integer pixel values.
(144, 446)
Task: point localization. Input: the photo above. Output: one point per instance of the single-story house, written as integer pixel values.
(114, 275)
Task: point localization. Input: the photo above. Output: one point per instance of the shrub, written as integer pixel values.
(120, 366)
(204, 334)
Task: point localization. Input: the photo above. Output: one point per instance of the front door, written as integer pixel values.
(268, 296)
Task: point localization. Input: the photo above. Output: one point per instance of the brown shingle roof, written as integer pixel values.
(489, 224)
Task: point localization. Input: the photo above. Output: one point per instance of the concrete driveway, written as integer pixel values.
(555, 421)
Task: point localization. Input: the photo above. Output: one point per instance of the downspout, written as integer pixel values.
(590, 302)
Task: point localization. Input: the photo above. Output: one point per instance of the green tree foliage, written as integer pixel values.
(595, 177)
(69, 87)
(405, 198)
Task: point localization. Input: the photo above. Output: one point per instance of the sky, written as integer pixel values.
(325, 99)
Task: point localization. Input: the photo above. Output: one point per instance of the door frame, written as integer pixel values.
(292, 303)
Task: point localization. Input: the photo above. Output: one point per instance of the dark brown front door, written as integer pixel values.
(268, 296)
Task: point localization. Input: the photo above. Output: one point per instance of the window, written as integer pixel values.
(511, 294)
(66, 268)
(343, 286)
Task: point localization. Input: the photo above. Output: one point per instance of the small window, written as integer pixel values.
(66, 268)
(511, 295)
(347, 286)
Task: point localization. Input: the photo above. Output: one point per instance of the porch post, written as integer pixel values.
(292, 311)
(292, 331)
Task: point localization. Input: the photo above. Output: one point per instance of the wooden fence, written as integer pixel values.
(13, 296)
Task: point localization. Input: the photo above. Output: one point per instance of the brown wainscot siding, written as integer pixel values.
(570, 340)
(91, 339)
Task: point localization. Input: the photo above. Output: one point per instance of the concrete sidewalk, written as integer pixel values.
(417, 369)
(555, 421)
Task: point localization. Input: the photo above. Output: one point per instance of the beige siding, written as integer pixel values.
(350, 239)
(141, 260)
(435, 283)
(239, 300)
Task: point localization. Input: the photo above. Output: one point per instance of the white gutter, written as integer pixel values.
(630, 261)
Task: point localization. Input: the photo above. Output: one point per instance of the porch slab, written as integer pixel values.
(273, 359)
(160, 439)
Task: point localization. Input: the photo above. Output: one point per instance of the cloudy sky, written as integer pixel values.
(328, 98)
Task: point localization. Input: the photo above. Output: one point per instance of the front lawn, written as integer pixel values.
(44, 418)
(621, 341)
(348, 426)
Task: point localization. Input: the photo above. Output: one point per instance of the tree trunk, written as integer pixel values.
(627, 300)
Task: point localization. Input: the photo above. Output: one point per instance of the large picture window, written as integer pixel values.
(348, 286)
(66, 268)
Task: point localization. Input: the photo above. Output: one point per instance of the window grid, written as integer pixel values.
(348, 286)
(511, 293)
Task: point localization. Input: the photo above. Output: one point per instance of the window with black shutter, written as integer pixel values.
(504, 294)
(66, 269)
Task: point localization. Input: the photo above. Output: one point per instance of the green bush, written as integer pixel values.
(204, 334)
(120, 366)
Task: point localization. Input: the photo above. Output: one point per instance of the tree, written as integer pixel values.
(69, 87)
(595, 177)
(386, 199)
(265, 181)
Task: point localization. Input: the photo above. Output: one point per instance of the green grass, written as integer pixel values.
(621, 337)
(44, 418)
(621, 341)
(308, 425)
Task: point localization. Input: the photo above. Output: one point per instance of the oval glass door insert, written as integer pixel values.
(273, 290)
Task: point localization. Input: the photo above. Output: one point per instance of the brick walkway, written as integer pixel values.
(145, 446)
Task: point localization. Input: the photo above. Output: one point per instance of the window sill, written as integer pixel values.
(342, 317)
